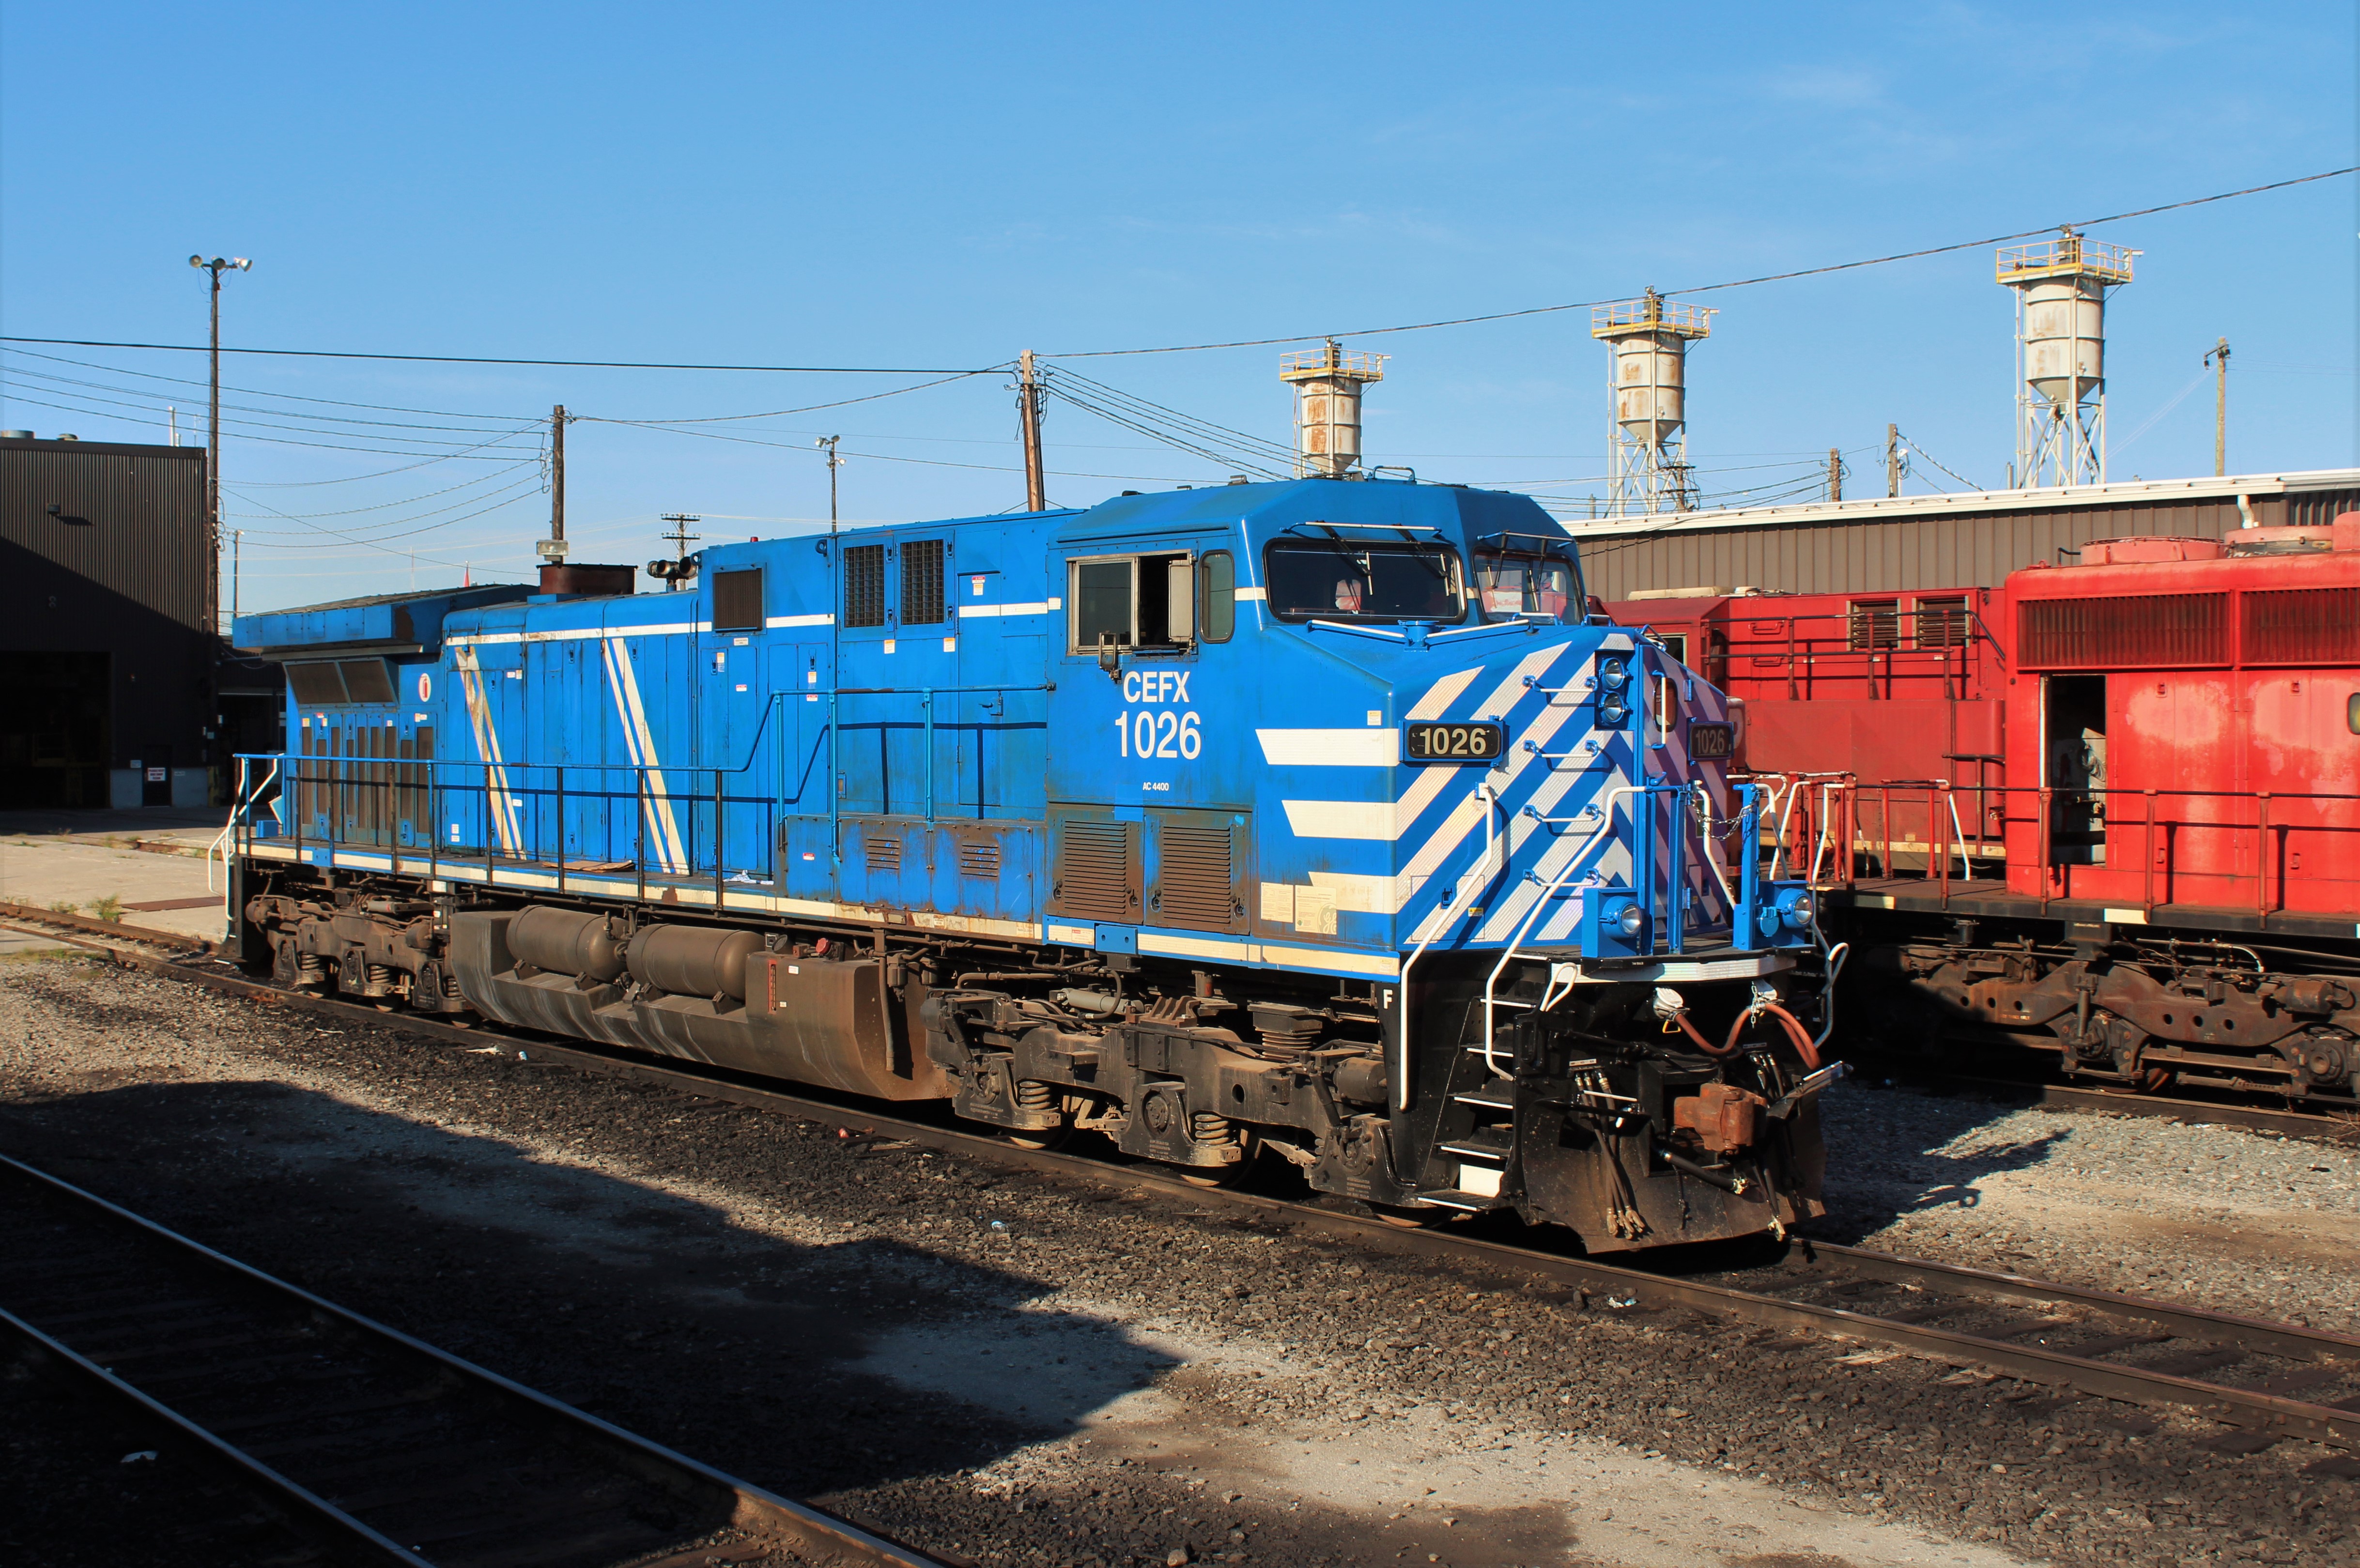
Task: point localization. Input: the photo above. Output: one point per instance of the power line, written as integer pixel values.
(1710, 287)
(250, 391)
(778, 413)
(559, 364)
(243, 408)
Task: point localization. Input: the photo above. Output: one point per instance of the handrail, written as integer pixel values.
(1524, 928)
(1468, 886)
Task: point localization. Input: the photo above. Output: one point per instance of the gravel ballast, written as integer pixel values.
(1017, 1370)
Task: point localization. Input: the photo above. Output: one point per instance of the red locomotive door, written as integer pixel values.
(2073, 767)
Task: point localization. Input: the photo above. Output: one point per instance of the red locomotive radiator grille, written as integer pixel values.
(2302, 626)
(2146, 629)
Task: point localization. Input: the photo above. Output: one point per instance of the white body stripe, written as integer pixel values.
(800, 621)
(973, 612)
(1330, 748)
(1344, 819)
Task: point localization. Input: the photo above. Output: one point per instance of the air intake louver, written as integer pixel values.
(980, 857)
(2302, 626)
(1195, 876)
(2154, 630)
(881, 854)
(1095, 876)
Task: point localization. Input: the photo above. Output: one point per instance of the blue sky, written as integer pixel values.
(925, 186)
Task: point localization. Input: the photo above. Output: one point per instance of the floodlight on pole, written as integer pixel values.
(216, 267)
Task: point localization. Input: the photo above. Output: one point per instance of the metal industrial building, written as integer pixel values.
(1909, 542)
(110, 672)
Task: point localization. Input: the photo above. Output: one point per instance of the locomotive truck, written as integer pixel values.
(1313, 822)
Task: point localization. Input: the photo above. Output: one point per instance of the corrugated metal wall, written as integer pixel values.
(1834, 554)
(130, 518)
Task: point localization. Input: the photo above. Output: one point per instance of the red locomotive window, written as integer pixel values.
(1874, 622)
(2302, 626)
(1942, 623)
(2145, 629)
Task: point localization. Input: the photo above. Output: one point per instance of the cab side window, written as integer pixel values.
(1144, 603)
(1217, 596)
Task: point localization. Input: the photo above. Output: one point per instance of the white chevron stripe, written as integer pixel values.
(625, 682)
(499, 803)
(1511, 691)
(1547, 800)
(1441, 694)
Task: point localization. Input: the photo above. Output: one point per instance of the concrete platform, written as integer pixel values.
(161, 885)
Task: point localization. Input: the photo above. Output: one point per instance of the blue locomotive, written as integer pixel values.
(1315, 821)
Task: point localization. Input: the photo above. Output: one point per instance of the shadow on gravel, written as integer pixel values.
(1894, 1152)
(806, 1368)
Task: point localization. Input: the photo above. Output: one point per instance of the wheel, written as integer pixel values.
(1042, 1137)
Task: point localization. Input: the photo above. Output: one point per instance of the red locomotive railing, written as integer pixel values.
(2142, 848)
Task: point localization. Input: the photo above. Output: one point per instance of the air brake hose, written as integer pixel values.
(1804, 1044)
(1681, 1019)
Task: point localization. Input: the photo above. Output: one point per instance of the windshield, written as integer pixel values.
(1349, 581)
(1509, 587)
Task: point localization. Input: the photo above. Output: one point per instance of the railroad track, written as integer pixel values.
(2335, 1124)
(2265, 1381)
(2341, 1126)
(380, 1448)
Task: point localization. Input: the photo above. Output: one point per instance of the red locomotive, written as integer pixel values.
(2109, 809)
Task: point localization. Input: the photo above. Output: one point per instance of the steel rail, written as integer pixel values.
(2340, 1123)
(2227, 1403)
(2335, 1124)
(752, 1507)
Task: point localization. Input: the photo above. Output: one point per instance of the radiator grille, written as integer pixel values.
(2153, 629)
(922, 582)
(864, 586)
(1194, 877)
(1095, 876)
(881, 853)
(2302, 626)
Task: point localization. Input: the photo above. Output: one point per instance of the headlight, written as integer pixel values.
(1795, 908)
(1631, 919)
(1613, 712)
(1612, 674)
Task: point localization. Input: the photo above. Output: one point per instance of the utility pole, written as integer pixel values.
(1835, 473)
(827, 444)
(681, 539)
(2220, 355)
(1028, 419)
(217, 265)
(553, 548)
(1893, 459)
